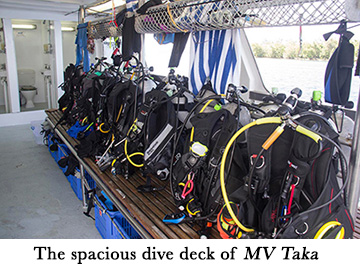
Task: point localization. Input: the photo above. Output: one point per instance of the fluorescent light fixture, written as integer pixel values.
(64, 28)
(105, 6)
(24, 26)
(67, 29)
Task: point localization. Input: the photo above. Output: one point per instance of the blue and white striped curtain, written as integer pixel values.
(215, 55)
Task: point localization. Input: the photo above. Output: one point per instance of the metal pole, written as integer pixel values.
(4, 82)
(47, 83)
(354, 167)
(83, 186)
(81, 16)
(11, 68)
(58, 59)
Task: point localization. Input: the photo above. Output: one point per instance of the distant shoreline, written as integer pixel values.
(293, 59)
(293, 50)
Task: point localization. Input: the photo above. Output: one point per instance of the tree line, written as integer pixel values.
(317, 50)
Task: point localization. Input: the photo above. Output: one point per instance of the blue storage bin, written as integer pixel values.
(69, 178)
(103, 216)
(121, 229)
(90, 180)
(76, 184)
(112, 224)
(54, 154)
(63, 152)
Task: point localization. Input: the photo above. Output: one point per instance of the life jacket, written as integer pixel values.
(122, 106)
(285, 190)
(86, 103)
(153, 131)
(118, 103)
(89, 110)
(195, 178)
(150, 140)
(72, 88)
(339, 69)
(67, 86)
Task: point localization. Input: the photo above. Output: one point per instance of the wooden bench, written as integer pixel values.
(144, 211)
(357, 225)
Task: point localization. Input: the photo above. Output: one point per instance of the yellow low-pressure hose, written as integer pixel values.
(206, 105)
(271, 139)
(128, 157)
(118, 116)
(103, 131)
(327, 227)
(275, 120)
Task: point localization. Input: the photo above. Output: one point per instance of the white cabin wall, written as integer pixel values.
(30, 55)
(2, 61)
(31, 47)
(69, 47)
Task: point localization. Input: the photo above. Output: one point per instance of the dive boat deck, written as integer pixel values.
(144, 211)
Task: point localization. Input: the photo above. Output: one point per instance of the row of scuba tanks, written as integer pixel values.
(265, 169)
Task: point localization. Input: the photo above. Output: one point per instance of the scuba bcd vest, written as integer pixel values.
(195, 176)
(287, 188)
(152, 133)
(195, 179)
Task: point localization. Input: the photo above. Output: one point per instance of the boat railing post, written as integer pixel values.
(354, 166)
(84, 187)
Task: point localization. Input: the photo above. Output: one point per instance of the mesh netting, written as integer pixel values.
(103, 29)
(190, 15)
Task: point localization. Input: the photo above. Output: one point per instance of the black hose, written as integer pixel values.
(345, 182)
(251, 174)
(253, 107)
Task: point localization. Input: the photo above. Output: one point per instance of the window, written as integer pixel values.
(158, 56)
(284, 64)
